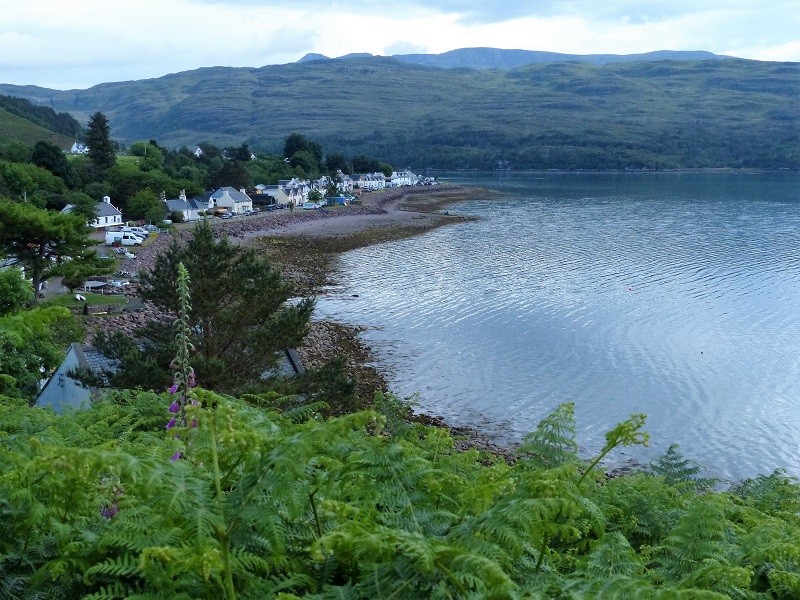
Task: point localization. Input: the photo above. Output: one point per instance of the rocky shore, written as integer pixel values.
(304, 245)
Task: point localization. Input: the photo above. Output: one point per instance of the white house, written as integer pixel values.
(189, 208)
(79, 148)
(402, 178)
(108, 215)
(370, 181)
(236, 201)
(344, 182)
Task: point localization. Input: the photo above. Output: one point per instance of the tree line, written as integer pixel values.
(45, 177)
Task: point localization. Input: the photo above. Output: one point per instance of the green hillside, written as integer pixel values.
(13, 127)
(664, 114)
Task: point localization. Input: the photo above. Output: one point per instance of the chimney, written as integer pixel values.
(107, 199)
(242, 190)
(182, 195)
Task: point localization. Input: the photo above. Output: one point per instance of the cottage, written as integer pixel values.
(236, 201)
(190, 209)
(79, 148)
(108, 215)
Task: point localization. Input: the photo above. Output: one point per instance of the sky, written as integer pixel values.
(76, 44)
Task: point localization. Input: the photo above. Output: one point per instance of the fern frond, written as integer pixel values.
(552, 443)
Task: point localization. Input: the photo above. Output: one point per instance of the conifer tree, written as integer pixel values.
(98, 138)
(240, 315)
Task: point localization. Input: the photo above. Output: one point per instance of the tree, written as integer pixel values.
(305, 160)
(152, 157)
(303, 152)
(337, 162)
(145, 205)
(31, 344)
(15, 292)
(240, 316)
(98, 138)
(50, 157)
(24, 179)
(40, 240)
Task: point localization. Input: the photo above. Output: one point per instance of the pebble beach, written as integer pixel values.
(304, 244)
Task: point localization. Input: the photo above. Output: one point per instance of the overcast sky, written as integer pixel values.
(67, 44)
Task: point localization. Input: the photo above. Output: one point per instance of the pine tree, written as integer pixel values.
(98, 138)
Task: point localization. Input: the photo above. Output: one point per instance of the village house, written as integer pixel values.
(402, 178)
(370, 181)
(108, 215)
(288, 191)
(79, 148)
(190, 209)
(236, 201)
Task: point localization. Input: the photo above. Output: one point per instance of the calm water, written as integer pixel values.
(676, 295)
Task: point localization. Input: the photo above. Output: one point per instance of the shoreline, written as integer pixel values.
(304, 245)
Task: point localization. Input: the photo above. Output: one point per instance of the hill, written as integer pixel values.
(29, 123)
(14, 127)
(563, 115)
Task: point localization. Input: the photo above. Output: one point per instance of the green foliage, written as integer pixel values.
(44, 116)
(49, 156)
(98, 139)
(31, 346)
(240, 315)
(40, 240)
(24, 179)
(263, 506)
(552, 443)
(15, 292)
(675, 468)
(145, 205)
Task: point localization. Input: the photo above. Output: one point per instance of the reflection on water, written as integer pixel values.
(673, 295)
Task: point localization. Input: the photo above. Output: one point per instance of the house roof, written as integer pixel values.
(235, 195)
(62, 392)
(177, 205)
(104, 209)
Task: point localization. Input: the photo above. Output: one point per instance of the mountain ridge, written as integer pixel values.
(562, 115)
(499, 58)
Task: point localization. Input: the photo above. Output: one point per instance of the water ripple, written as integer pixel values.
(676, 296)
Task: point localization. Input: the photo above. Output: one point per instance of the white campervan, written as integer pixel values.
(124, 238)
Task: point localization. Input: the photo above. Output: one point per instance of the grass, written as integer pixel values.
(13, 127)
(69, 301)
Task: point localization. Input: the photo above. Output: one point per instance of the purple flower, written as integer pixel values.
(176, 456)
(174, 407)
(171, 423)
(174, 388)
(109, 511)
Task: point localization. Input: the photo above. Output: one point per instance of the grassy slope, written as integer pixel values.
(13, 127)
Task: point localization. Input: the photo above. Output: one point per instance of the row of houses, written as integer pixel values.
(285, 193)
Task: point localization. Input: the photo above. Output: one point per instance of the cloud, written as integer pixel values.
(92, 41)
(404, 47)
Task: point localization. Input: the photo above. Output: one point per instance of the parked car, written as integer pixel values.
(311, 205)
(227, 216)
(140, 231)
